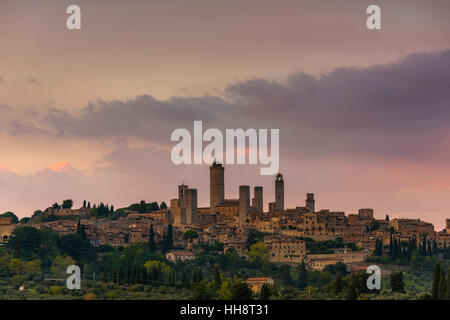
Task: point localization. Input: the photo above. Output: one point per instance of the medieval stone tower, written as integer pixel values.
(216, 185)
(310, 202)
(257, 201)
(279, 192)
(244, 203)
(181, 194)
(190, 201)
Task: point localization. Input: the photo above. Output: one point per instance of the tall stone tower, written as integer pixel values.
(179, 213)
(191, 206)
(279, 192)
(181, 194)
(244, 203)
(178, 206)
(447, 225)
(216, 185)
(310, 202)
(257, 201)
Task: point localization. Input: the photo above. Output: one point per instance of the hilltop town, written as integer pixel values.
(285, 231)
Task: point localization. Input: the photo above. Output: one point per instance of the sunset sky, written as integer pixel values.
(364, 115)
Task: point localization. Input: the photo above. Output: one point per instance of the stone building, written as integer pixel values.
(365, 214)
(412, 227)
(180, 255)
(65, 211)
(285, 249)
(6, 228)
(228, 207)
(320, 261)
(255, 284)
(310, 202)
(157, 215)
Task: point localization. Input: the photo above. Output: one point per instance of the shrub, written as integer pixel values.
(90, 296)
(54, 290)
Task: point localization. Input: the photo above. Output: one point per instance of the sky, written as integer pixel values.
(363, 114)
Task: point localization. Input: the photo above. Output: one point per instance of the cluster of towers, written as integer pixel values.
(217, 193)
(185, 209)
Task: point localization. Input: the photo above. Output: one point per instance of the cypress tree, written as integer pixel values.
(105, 276)
(184, 279)
(217, 278)
(435, 248)
(337, 285)
(128, 273)
(436, 280)
(159, 274)
(144, 276)
(429, 252)
(151, 240)
(265, 292)
(424, 246)
(18, 250)
(442, 285)
(169, 237)
(114, 275)
(172, 278)
(444, 251)
(398, 253)
(302, 276)
(394, 249)
(397, 284)
(120, 275)
(378, 248)
(80, 230)
(164, 243)
(194, 278)
(133, 274)
(391, 246)
(138, 275)
(351, 293)
(447, 287)
(150, 276)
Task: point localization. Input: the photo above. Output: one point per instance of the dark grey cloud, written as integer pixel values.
(19, 122)
(401, 95)
(385, 110)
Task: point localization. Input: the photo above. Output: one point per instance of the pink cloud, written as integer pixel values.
(60, 166)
